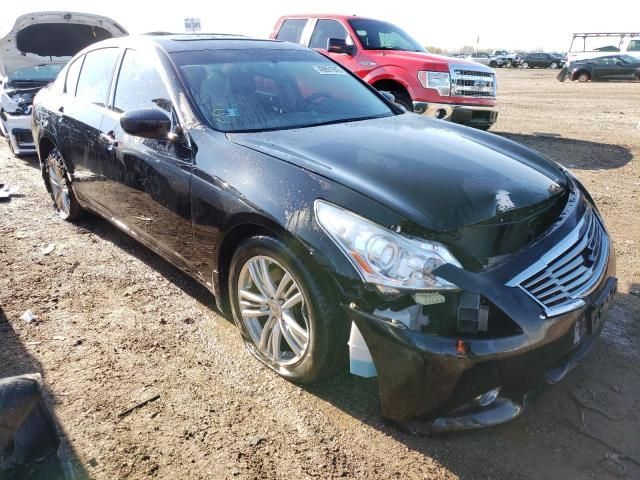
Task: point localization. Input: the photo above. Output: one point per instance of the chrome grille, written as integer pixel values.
(473, 83)
(569, 271)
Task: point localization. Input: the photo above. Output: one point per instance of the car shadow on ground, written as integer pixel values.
(106, 231)
(16, 360)
(571, 153)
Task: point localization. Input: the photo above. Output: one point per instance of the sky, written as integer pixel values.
(503, 24)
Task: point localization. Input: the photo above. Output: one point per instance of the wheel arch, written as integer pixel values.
(243, 230)
(393, 85)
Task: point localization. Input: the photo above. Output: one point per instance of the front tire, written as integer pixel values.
(583, 77)
(58, 183)
(525, 64)
(285, 316)
(554, 65)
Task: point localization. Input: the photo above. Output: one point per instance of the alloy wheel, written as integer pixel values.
(274, 311)
(59, 187)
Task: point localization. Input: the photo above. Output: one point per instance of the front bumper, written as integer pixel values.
(431, 378)
(17, 130)
(470, 115)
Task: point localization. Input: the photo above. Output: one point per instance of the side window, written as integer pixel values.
(140, 85)
(73, 72)
(634, 46)
(95, 76)
(326, 29)
(291, 30)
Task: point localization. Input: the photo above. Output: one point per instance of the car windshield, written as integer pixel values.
(628, 59)
(37, 73)
(377, 35)
(271, 89)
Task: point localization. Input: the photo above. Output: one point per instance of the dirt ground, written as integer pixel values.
(118, 325)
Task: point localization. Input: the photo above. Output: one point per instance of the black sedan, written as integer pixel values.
(613, 67)
(540, 60)
(459, 267)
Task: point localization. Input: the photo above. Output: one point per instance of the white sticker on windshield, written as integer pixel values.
(329, 70)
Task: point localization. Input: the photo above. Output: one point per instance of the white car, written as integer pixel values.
(31, 55)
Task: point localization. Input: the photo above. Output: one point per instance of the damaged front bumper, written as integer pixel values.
(16, 128)
(439, 379)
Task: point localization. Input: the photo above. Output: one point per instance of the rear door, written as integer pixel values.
(147, 181)
(291, 30)
(325, 29)
(82, 115)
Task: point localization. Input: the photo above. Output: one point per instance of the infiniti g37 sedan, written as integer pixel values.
(460, 268)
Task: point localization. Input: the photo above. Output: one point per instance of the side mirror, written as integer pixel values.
(146, 123)
(338, 45)
(388, 95)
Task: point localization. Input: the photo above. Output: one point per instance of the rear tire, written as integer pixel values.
(58, 183)
(311, 348)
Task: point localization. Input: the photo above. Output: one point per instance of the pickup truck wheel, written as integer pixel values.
(493, 64)
(583, 77)
(525, 64)
(403, 98)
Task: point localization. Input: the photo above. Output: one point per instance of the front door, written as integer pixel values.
(148, 181)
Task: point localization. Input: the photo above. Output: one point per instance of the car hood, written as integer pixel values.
(440, 175)
(428, 60)
(58, 37)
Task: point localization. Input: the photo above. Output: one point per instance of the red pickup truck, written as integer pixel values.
(390, 60)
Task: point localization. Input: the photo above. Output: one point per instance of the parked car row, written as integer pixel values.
(503, 58)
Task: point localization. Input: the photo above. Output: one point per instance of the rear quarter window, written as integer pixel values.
(73, 72)
(95, 76)
(291, 30)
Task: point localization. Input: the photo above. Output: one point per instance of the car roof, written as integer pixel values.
(326, 16)
(176, 42)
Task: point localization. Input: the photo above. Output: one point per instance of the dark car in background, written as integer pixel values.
(601, 69)
(540, 60)
(473, 268)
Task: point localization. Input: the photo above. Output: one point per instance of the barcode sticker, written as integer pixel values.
(329, 70)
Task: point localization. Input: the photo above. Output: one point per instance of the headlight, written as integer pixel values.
(381, 256)
(438, 80)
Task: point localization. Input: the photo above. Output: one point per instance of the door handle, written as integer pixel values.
(109, 139)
